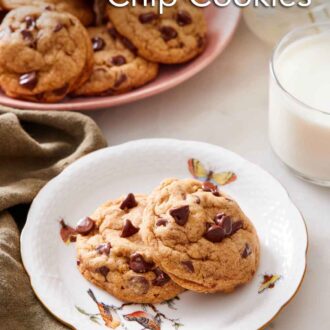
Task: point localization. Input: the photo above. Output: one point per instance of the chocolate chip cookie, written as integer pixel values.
(176, 36)
(117, 68)
(200, 237)
(79, 8)
(112, 255)
(45, 54)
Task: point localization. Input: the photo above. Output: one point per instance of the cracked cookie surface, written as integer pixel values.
(117, 69)
(114, 257)
(176, 36)
(45, 54)
(201, 238)
(79, 8)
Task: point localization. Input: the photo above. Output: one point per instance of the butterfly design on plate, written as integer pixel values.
(198, 171)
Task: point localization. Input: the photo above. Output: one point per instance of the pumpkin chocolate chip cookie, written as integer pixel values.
(200, 237)
(79, 8)
(117, 68)
(45, 54)
(176, 36)
(111, 254)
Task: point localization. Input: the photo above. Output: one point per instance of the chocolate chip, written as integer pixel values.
(104, 270)
(210, 187)
(215, 234)
(161, 222)
(161, 278)
(224, 227)
(188, 265)
(129, 229)
(138, 264)
(139, 284)
(247, 251)
(183, 18)
(225, 223)
(121, 79)
(129, 202)
(66, 232)
(30, 22)
(118, 60)
(180, 215)
(113, 33)
(58, 27)
(27, 35)
(237, 226)
(98, 44)
(197, 200)
(73, 239)
(78, 262)
(28, 80)
(168, 33)
(128, 44)
(104, 248)
(147, 17)
(85, 226)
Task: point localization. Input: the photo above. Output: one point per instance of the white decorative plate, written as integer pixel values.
(138, 167)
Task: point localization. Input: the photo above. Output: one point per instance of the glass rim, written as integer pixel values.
(272, 63)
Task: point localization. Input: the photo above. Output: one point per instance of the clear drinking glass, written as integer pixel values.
(300, 133)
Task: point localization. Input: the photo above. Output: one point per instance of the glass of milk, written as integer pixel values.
(299, 102)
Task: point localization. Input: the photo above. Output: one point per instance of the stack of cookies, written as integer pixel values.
(51, 49)
(186, 235)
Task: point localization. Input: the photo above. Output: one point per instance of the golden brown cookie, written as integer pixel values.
(117, 69)
(45, 54)
(176, 36)
(200, 237)
(82, 9)
(114, 257)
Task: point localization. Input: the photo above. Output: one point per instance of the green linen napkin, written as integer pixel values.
(35, 146)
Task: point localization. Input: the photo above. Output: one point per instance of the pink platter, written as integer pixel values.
(222, 23)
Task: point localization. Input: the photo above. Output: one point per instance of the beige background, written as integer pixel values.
(227, 105)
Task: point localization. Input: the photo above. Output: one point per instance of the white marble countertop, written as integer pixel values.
(226, 105)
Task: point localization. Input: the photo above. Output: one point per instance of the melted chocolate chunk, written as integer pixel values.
(188, 265)
(98, 44)
(138, 264)
(129, 229)
(104, 248)
(139, 284)
(148, 17)
(28, 80)
(129, 202)
(122, 78)
(66, 232)
(30, 22)
(225, 223)
(168, 33)
(27, 35)
(128, 44)
(180, 215)
(118, 60)
(210, 187)
(113, 33)
(85, 226)
(78, 262)
(58, 27)
(215, 234)
(104, 270)
(183, 18)
(224, 227)
(161, 278)
(161, 222)
(247, 251)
